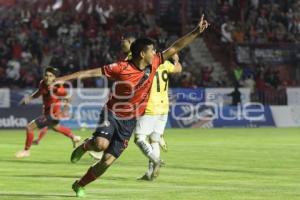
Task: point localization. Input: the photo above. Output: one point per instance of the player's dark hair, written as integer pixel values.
(53, 70)
(140, 45)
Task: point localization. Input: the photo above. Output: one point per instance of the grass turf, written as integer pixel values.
(206, 164)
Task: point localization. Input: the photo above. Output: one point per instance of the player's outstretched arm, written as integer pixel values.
(185, 40)
(26, 100)
(81, 75)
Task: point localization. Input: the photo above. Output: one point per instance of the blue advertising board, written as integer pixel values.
(251, 115)
(85, 116)
(187, 107)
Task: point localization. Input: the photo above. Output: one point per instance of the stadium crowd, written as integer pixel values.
(79, 36)
(70, 38)
(260, 21)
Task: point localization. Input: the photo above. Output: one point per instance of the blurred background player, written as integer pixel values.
(53, 99)
(41, 135)
(64, 113)
(127, 102)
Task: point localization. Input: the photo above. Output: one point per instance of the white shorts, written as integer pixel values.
(148, 124)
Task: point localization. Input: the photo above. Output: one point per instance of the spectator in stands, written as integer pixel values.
(2, 75)
(248, 72)
(226, 30)
(238, 74)
(254, 4)
(13, 70)
(221, 81)
(268, 76)
(260, 88)
(252, 35)
(249, 83)
(275, 80)
(206, 78)
(3, 49)
(236, 96)
(238, 35)
(26, 56)
(226, 8)
(72, 38)
(187, 80)
(264, 21)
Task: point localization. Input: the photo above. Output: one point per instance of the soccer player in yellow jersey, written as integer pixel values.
(158, 103)
(150, 127)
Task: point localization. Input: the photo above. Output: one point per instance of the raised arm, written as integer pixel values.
(81, 75)
(185, 40)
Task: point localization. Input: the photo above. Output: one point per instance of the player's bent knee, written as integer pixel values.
(30, 127)
(54, 128)
(139, 138)
(101, 144)
(154, 137)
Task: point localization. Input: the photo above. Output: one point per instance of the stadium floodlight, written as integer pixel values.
(57, 5)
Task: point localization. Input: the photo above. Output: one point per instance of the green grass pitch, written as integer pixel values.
(202, 164)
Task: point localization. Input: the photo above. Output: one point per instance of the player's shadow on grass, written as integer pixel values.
(119, 178)
(46, 162)
(45, 175)
(38, 196)
(63, 176)
(35, 161)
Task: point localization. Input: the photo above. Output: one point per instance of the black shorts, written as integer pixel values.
(117, 131)
(45, 120)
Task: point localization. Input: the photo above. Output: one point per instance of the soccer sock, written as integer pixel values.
(29, 138)
(64, 130)
(146, 148)
(150, 168)
(156, 153)
(89, 177)
(156, 149)
(93, 173)
(42, 133)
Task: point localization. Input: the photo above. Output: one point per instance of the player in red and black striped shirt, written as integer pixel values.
(53, 100)
(128, 100)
